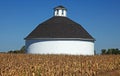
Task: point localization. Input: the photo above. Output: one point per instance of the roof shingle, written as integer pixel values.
(59, 27)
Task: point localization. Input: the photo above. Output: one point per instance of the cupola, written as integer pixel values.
(60, 11)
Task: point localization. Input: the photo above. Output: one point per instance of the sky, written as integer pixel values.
(101, 18)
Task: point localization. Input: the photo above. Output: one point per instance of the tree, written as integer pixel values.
(110, 51)
(103, 51)
(22, 50)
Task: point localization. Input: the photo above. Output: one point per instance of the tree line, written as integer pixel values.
(110, 51)
(113, 51)
(22, 50)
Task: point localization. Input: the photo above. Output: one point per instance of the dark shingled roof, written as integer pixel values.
(60, 27)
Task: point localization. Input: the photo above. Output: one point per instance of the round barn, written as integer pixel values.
(60, 35)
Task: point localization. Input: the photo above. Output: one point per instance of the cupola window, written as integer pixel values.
(60, 11)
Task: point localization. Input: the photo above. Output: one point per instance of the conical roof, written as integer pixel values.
(59, 27)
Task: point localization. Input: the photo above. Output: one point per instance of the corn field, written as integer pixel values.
(57, 65)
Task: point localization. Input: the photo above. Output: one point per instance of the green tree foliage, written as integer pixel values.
(22, 50)
(103, 51)
(110, 51)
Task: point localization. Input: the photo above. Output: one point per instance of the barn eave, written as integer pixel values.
(83, 39)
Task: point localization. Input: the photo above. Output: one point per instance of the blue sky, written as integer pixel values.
(101, 18)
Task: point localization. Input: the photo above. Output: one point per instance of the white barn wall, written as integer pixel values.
(73, 47)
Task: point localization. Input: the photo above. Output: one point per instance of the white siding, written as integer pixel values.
(60, 12)
(60, 47)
